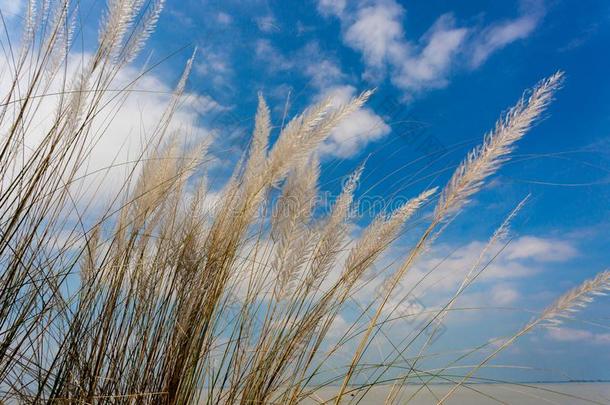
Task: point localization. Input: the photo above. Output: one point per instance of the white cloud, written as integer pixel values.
(455, 267)
(224, 18)
(540, 249)
(430, 68)
(216, 67)
(356, 130)
(184, 19)
(576, 335)
(499, 35)
(122, 127)
(498, 284)
(435, 277)
(375, 29)
(376, 32)
(275, 60)
(323, 71)
(10, 8)
(504, 294)
(327, 78)
(338, 327)
(331, 7)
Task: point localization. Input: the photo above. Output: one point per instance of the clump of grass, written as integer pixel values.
(162, 300)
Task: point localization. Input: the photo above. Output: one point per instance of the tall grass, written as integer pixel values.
(158, 298)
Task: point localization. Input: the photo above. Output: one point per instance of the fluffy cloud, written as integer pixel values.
(576, 335)
(10, 8)
(322, 70)
(357, 130)
(540, 249)
(430, 68)
(501, 34)
(324, 73)
(438, 273)
(273, 58)
(375, 29)
(435, 277)
(123, 127)
(326, 77)
(224, 18)
(504, 294)
(518, 260)
(216, 67)
(331, 7)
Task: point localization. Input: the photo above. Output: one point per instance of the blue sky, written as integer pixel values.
(444, 71)
(448, 69)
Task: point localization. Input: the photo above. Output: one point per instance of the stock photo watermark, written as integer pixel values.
(415, 313)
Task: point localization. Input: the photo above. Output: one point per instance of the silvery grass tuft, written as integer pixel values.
(160, 298)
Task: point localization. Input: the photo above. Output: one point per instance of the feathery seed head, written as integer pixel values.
(485, 160)
(575, 300)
